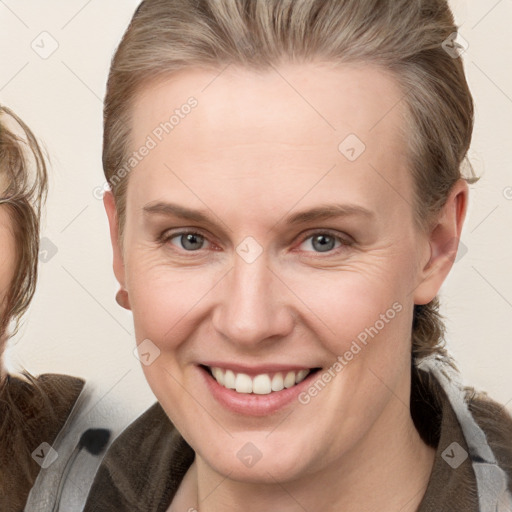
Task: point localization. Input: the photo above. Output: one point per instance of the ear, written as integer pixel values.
(118, 259)
(444, 242)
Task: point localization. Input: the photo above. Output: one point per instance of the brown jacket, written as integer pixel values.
(32, 412)
(145, 465)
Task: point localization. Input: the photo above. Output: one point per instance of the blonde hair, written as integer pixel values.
(403, 37)
(24, 181)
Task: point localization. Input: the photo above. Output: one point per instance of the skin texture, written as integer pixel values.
(8, 258)
(254, 151)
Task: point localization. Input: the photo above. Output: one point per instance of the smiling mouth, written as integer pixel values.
(261, 384)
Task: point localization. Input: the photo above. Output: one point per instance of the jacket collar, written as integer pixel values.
(146, 464)
(490, 490)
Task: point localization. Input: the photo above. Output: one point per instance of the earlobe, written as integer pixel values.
(444, 242)
(118, 261)
(122, 299)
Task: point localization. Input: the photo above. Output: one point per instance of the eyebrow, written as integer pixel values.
(318, 213)
(329, 211)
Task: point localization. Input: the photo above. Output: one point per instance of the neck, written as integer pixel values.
(388, 470)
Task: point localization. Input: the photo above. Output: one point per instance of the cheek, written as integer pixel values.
(8, 266)
(4, 284)
(164, 299)
(167, 301)
(347, 303)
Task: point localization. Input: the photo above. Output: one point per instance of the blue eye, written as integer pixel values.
(323, 242)
(317, 242)
(188, 240)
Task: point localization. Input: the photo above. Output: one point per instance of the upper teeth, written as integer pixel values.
(261, 384)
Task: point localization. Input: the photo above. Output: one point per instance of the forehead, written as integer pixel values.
(273, 128)
(331, 99)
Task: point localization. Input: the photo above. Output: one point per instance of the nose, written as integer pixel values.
(253, 306)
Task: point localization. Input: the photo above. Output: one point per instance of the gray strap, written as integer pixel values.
(492, 481)
(91, 410)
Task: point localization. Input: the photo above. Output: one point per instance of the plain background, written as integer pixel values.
(74, 325)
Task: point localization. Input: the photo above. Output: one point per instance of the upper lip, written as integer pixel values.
(257, 369)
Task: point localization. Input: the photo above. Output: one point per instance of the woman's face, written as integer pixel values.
(263, 238)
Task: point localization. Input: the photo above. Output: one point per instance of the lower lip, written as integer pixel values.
(251, 404)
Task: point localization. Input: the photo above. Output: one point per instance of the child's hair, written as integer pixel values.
(23, 190)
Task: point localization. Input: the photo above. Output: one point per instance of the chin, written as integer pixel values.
(246, 459)
(267, 470)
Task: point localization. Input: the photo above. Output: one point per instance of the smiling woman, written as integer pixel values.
(282, 249)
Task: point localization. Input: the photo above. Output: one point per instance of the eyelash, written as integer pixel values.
(166, 237)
